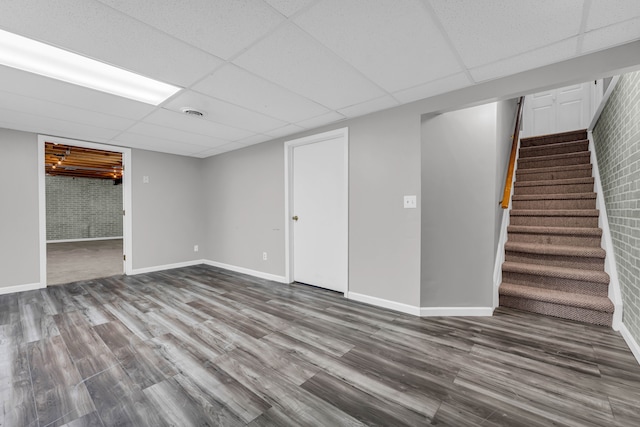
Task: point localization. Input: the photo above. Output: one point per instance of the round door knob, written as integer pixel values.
(295, 217)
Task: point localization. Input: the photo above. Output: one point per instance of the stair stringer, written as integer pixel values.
(610, 266)
(500, 253)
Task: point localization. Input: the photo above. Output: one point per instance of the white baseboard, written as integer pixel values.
(21, 288)
(166, 267)
(255, 273)
(88, 239)
(634, 346)
(391, 305)
(456, 311)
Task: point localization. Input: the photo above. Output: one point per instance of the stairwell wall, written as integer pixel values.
(617, 143)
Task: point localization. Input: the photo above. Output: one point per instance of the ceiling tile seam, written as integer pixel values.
(527, 52)
(432, 82)
(68, 105)
(436, 19)
(349, 65)
(586, 9)
(158, 30)
(173, 141)
(59, 120)
(614, 24)
(299, 12)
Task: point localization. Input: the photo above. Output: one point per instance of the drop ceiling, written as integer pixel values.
(262, 69)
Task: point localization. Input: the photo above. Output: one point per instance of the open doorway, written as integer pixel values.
(84, 196)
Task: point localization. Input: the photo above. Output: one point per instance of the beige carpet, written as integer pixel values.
(73, 261)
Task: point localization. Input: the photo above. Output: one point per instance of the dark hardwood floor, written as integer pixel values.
(201, 346)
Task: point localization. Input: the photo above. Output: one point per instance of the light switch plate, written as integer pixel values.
(410, 202)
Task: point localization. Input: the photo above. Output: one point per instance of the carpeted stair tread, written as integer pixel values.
(553, 138)
(560, 196)
(568, 181)
(557, 272)
(591, 302)
(556, 148)
(573, 231)
(580, 158)
(556, 212)
(563, 250)
(553, 169)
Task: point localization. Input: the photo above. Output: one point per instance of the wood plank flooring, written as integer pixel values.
(201, 346)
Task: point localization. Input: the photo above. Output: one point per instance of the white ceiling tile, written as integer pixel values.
(145, 142)
(293, 59)
(54, 110)
(40, 124)
(200, 125)
(607, 12)
(223, 112)
(436, 87)
(611, 36)
(289, 7)
(38, 87)
(367, 107)
(235, 85)
(392, 43)
(173, 134)
(221, 27)
(255, 139)
(284, 131)
(95, 30)
(534, 59)
(487, 31)
(322, 120)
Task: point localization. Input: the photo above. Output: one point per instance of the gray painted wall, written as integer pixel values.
(80, 208)
(168, 212)
(243, 196)
(458, 200)
(617, 142)
(19, 239)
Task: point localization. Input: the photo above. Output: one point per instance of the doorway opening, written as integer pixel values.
(84, 210)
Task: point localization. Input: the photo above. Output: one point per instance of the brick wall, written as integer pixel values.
(617, 142)
(79, 208)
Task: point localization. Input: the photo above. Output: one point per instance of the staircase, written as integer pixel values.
(554, 263)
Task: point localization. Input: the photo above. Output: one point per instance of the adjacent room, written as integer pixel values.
(319, 213)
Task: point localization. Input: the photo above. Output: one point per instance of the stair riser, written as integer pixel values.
(552, 139)
(550, 150)
(555, 204)
(582, 263)
(550, 163)
(560, 174)
(554, 189)
(555, 221)
(556, 310)
(555, 239)
(558, 284)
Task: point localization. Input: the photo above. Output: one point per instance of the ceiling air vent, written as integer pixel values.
(192, 112)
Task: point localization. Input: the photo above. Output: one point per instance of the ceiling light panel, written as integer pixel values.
(39, 58)
(233, 84)
(392, 43)
(221, 27)
(293, 59)
(487, 31)
(98, 31)
(39, 87)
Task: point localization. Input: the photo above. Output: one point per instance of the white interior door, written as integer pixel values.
(319, 212)
(558, 110)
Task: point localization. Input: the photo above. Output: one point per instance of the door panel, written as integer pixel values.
(557, 110)
(320, 233)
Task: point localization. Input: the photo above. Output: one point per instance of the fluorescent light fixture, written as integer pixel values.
(39, 58)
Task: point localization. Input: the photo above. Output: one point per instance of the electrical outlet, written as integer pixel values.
(264, 256)
(145, 179)
(410, 202)
(195, 248)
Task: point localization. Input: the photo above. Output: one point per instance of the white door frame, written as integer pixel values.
(288, 191)
(126, 198)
